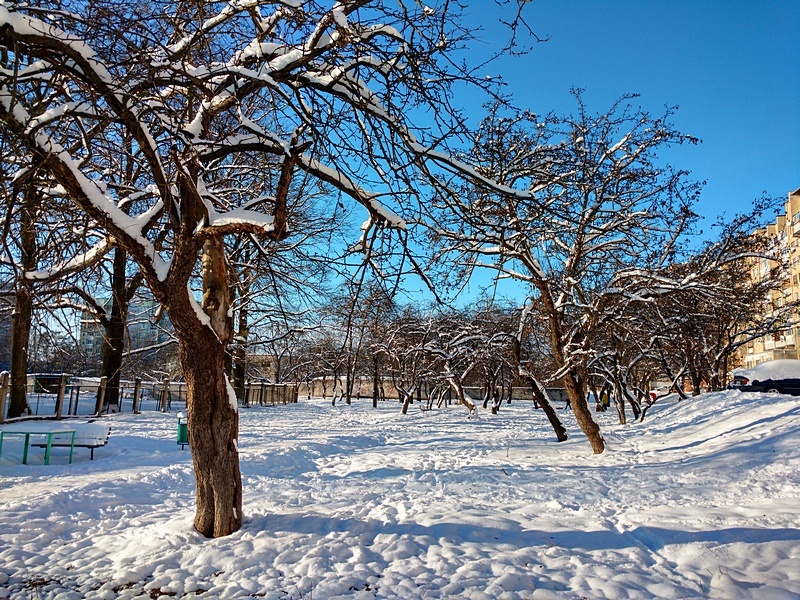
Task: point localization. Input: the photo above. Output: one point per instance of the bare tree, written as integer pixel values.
(585, 209)
(733, 293)
(197, 87)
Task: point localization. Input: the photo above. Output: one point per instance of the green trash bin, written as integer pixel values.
(183, 431)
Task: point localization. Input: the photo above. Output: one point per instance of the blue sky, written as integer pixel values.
(732, 67)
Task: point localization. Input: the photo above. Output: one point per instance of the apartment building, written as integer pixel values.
(141, 329)
(786, 233)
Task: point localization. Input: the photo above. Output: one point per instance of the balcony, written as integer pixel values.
(796, 229)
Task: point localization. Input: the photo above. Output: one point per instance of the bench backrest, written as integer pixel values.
(87, 434)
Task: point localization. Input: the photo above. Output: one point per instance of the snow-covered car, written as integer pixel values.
(781, 376)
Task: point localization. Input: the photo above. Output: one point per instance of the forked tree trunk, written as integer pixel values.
(456, 386)
(212, 416)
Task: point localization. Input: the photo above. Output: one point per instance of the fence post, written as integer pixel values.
(137, 388)
(101, 396)
(3, 394)
(164, 393)
(62, 387)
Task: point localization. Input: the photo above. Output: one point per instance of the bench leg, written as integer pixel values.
(25, 450)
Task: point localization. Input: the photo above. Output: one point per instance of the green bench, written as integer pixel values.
(87, 435)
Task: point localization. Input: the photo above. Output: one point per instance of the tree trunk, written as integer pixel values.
(580, 407)
(211, 407)
(348, 381)
(636, 405)
(455, 383)
(540, 397)
(695, 383)
(239, 353)
(213, 423)
(406, 400)
(335, 387)
(20, 336)
(23, 307)
(375, 383)
(114, 338)
(619, 401)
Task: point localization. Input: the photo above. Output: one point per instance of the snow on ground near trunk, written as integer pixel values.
(699, 501)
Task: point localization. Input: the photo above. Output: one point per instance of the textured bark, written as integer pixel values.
(216, 294)
(114, 339)
(212, 417)
(580, 407)
(20, 335)
(23, 307)
(213, 431)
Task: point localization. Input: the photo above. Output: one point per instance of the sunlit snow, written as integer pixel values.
(699, 501)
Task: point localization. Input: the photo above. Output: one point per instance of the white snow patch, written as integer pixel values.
(782, 368)
(699, 501)
(231, 395)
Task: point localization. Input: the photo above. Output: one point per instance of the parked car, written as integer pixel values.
(780, 376)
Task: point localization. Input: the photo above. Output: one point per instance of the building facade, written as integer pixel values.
(142, 330)
(786, 234)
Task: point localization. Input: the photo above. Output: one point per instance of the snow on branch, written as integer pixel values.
(93, 199)
(78, 263)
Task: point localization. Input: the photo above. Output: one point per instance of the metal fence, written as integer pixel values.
(61, 395)
(268, 394)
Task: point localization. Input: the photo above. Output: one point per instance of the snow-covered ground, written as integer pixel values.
(702, 500)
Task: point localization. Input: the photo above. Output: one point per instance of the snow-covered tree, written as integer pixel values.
(193, 93)
(587, 211)
(734, 293)
(43, 244)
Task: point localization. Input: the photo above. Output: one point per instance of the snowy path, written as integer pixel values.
(702, 500)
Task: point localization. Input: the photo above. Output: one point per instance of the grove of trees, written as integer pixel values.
(221, 155)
